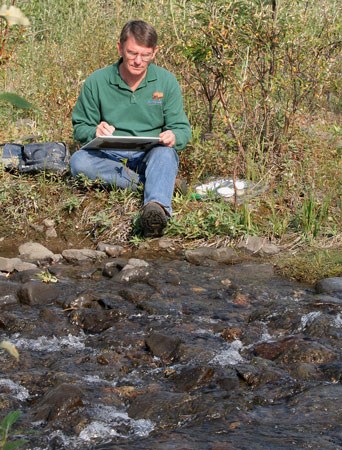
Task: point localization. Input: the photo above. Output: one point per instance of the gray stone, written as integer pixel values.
(82, 255)
(134, 262)
(259, 245)
(132, 273)
(35, 251)
(51, 232)
(110, 249)
(38, 293)
(202, 254)
(9, 265)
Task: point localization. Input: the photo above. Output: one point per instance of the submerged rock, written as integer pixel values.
(59, 403)
(332, 286)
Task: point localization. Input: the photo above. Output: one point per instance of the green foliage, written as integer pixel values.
(261, 77)
(5, 428)
(312, 215)
(259, 63)
(311, 265)
(15, 100)
(205, 220)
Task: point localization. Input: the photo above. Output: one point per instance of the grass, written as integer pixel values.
(311, 265)
(299, 196)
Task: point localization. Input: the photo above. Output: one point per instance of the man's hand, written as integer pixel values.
(168, 138)
(104, 129)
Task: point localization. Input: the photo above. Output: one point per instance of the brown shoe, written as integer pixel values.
(153, 220)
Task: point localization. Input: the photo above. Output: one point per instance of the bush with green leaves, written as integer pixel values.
(5, 430)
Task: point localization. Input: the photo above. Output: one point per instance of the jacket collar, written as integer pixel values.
(116, 79)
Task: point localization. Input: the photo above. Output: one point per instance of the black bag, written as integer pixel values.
(36, 157)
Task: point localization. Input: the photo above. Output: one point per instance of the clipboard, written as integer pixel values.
(134, 143)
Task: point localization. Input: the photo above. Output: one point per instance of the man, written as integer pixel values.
(134, 97)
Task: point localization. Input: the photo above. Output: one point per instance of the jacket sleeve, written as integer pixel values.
(86, 114)
(175, 118)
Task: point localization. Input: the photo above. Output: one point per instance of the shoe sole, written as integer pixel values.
(153, 221)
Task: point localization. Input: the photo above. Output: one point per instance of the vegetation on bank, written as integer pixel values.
(261, 83)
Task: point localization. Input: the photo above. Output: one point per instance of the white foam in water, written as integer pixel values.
(230, 355)
(17, 391)
(53, 344)
(108, 421)
(95, 430)
(307, 319)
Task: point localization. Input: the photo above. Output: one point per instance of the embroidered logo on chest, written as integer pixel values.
(157, 99)
(157, 95)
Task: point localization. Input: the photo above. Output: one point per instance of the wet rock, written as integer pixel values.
(110, 249)
(86, 300)
(200, 255)
(293, 350)
(332, 371)
(36, 293)
(241, 299)
(231, 334)
(331, 286)
(95, 321)
(272, 350)
(82, 255)
(164, 407)
(307, 351)
(323, 301)
(323, 325)
(259, 245)
(189, 379)
(59, 403)
(319, 402)
(259, 372)
(112, 268)
(136, 294)
(304, 371)
(135, 262)
(163, 346)
(133, 274)
(10, 265)
(8, 293)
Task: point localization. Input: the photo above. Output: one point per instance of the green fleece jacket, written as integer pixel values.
(155, 106)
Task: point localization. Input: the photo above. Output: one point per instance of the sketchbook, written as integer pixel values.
(135, 143)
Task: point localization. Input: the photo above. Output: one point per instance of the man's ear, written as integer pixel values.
(155, 51)
(119, 48)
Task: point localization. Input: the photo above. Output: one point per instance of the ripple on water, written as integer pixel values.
(54, 344)
(111, 422)
(17, 391)
(307, 319)
(230, 355)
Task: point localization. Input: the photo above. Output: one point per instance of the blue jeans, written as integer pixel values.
(156, 169)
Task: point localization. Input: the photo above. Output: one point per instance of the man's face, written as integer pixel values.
(136, 57)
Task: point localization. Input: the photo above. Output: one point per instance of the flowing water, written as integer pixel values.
(171, 355)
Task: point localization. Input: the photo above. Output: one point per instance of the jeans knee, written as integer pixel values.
(165, 155)
(77, 163)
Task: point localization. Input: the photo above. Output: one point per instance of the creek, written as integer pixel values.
(152, 351)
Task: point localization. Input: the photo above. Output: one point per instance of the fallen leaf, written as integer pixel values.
(10, 348)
